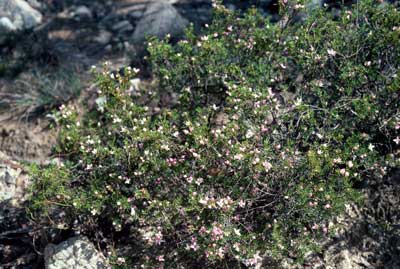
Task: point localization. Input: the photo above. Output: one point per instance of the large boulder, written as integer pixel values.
(159, 19)
(17, 15)
(75, 253)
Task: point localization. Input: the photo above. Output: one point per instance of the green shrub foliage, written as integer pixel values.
(265, 130)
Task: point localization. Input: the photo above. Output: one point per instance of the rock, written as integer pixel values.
(103, 37)
(35, 4)
(159, 20)
(6, 25)
(20, 14)
(198, 12)
(12, 180)
(7, 182)
(131, 8)
(75, 253)
(135, 14)
(82, 12)
(122, 27)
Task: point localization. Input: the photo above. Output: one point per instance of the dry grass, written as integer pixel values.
(35, 94)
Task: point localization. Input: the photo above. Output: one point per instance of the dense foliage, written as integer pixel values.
(250, 143)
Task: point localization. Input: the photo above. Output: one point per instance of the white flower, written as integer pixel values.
(199, 181)
(298, 102)
(371, 147)
(133, 212)
(238, 156)
(256, 161)
(164, 147)
(396, 140)
(332, 52)
(203, 201)
(267, 165)
(249, 134)
(121, 260)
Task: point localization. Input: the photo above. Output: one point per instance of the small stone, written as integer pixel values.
(103, 38)
(122, 27)
(83, 12)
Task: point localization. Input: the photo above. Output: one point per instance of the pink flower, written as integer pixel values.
(158, 238)
(193, 244)
(171, 161)
(202, 230)
(220, 253)
(217, 233)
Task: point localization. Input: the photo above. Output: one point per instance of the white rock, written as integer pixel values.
(6, 25)
(12, 180)
(75, 253)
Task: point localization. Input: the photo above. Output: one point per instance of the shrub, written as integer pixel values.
(271, 127)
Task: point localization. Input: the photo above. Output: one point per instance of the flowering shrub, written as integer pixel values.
(266, 129)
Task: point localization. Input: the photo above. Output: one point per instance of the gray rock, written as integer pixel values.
(103, 37)
(82, 12)
(75, 253)
(131, 8)
(35, 4)
(6, 26)
(135, 14)
(20, 14)
(12, 181)
(122, 26)
(159, 19)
